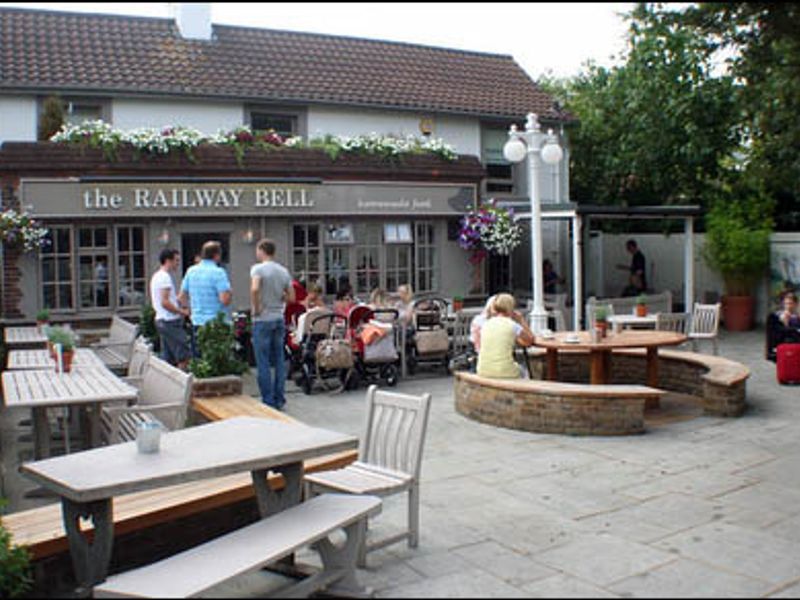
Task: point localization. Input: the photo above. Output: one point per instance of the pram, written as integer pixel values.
(323, 331)
(373, 334)
(428, 342)
(292, 347)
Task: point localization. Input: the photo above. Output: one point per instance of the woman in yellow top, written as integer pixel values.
(499, 335)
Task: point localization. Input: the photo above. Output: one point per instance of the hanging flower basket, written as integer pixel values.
(21, 231)
(489, 230)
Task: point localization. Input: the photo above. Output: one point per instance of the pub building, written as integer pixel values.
(357, 219)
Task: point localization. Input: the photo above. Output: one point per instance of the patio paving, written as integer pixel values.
(707, 507)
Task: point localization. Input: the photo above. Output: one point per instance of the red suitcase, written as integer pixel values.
(788, 363)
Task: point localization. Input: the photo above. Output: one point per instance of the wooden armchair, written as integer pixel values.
(116, 348)
(163, 397)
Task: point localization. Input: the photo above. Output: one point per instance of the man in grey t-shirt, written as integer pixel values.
(270, 288)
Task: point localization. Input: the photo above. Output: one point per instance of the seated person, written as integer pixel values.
(378, 299)
(477, 323)
(788, 314)
(293, 309)
(344, 301)
(499, 335)
(315, 304)
(405, 304)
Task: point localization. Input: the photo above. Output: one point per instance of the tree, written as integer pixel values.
(764, 46)
(656, 129)
(52, 117)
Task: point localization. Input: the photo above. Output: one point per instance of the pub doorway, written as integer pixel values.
(192, 243)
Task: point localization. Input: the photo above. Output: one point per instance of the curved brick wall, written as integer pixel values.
(547, 413)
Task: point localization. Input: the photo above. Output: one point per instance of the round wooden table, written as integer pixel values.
(600, 352)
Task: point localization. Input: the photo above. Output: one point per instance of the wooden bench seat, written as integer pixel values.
(42, 530)
(553, 406)
(199, 569)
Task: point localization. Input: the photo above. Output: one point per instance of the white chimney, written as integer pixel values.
(193, 20)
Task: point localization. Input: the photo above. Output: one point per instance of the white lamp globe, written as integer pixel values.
(552, 153)
(514, 150)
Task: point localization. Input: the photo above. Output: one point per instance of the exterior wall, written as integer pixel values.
(18, 118)
(461, 132)
(207, 116)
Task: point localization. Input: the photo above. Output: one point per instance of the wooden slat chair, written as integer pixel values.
(389, 460)
(140, 359)
(163, 397)
(704, 325)
(116, 348)
(676, 322)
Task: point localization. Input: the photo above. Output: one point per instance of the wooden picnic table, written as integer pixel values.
(40, 359)
(619, 322)
(24, 336)
(88, 481)
(600, 351)
(40, 389)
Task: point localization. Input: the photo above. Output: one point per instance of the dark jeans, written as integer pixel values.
(174, 348)
(268, 341)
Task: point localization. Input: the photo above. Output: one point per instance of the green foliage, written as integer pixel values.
(641, 299)
(59, 335)
(147, 326)
(217, 350)
(654, 129)
(738, 229)
(16, 576)
(52, 117)
(43, 315)
(601, 314)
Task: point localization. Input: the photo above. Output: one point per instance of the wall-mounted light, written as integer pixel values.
(249, 234)
(164, 237)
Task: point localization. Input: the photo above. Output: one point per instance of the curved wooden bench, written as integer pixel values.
(719, 382)
(553, 406)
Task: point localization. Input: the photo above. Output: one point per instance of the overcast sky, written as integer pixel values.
(555, 37)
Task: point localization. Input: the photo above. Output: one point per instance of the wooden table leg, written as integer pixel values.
(89, 560)
(41, 434)
(598, 367)
(652, 375)
(552, 364)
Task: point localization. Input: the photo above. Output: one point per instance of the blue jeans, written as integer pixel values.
(268, 341)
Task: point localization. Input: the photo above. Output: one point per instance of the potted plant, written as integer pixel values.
(59, 335)
(737, 247)
(601, 321)
(641, 305)
(42, 318)
(218, 370)
(458, 303)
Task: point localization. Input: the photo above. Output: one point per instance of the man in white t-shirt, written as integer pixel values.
(169, 314)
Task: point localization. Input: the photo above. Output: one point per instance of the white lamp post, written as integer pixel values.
(534, 144)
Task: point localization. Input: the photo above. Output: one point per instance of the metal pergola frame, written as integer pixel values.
(581, 216)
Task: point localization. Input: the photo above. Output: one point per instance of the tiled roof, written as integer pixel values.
(74, 52)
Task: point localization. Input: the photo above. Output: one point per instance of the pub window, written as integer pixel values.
(398, 265)
(368, 257)
(131, 281)
(94, 252)
(425, 257)
(79, 110)
(499, 172)
(397, 233)
(337, 269)
(339, 233)
(306, 252)
(283, 125)
(56, 268)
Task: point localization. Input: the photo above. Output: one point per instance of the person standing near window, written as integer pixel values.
(169, 314)
(270, 288)
(206, 290)
(637, 279)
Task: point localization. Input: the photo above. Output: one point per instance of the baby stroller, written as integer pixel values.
(373, 334)
(325, 355)
(293, 347)
(428, 342)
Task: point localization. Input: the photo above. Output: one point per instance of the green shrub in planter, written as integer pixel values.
(217, 351)
(16, 577)
(147, 327)
(59, 335)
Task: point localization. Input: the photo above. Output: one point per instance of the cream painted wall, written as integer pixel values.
(207, 116)
(462, 133)
(17, 119)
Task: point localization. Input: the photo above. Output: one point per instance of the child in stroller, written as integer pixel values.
(373, 334)
(322, 326)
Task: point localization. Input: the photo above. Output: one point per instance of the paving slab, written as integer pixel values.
(689, 579)
(565, 586)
